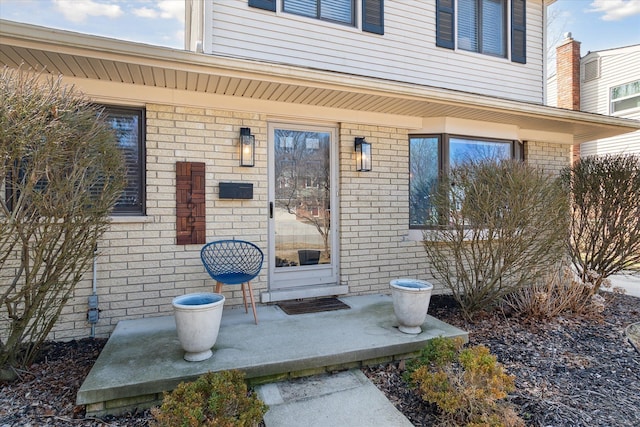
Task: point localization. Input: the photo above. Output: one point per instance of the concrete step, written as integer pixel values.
(143, 358)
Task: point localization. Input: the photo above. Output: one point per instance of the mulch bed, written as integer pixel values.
(569, 372)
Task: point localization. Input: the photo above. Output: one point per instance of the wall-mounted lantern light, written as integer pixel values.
(363, 155)
(247, 148)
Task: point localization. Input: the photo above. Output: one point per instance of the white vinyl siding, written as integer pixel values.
(617, 67)
(626, 144)
(406, 52)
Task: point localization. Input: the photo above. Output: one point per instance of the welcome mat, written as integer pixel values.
(312, 306)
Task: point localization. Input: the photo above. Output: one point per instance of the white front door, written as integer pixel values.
(303, 250)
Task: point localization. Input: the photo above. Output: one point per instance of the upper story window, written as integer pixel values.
(482, 26)
(432, 156)
(341, 11)
(625, 97)
(129, 124)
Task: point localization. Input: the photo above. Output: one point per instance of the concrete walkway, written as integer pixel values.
(143, 358)
(346, 398)
(630, 283)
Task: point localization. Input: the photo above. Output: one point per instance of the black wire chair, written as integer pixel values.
(233, 262)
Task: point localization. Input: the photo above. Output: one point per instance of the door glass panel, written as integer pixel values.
(302, 198)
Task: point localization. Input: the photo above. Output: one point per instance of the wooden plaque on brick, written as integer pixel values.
(190, 203)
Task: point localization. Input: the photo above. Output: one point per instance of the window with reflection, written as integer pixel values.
(128, 124)
(625, 97)
(432, 156)
(302, 215)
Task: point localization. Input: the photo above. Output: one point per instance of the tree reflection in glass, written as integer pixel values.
(302, 194)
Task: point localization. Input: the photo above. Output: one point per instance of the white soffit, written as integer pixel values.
(98, 58)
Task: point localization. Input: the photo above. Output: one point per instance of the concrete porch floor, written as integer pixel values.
(143, 358)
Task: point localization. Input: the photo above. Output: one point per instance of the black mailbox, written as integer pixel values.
(236, 190)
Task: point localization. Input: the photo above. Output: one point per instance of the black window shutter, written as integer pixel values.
(518, 31)
(445, 18)
(373, 16)
(264, 4)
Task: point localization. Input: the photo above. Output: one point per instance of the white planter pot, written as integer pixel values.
(410, 303)
(198, 319)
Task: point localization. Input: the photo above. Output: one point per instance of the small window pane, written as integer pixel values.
(493, 31)
(626, 104)
(337, 10)
(465, 150)
(330, 10)
(467, 25)
(302, 7)
(625, 90)
(423, 177)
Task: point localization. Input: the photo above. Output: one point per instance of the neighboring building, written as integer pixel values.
(604, 82)
(423, 82)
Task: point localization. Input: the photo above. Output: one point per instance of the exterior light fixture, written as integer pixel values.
(363, 155)
(247, 148)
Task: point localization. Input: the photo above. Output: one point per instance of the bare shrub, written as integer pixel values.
(61, 172)
(503, 225)
(557, 292)
(605, 216)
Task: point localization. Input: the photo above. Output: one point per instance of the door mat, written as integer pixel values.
(312, 306)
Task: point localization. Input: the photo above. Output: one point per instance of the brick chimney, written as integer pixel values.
(568, 78)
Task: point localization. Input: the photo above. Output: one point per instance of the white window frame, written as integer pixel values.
(612, 101)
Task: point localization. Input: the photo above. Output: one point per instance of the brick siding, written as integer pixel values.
(141, 268)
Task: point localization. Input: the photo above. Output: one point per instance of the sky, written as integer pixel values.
(597, 24)
(156, 22)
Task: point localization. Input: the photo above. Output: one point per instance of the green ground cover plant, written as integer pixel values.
(219, 399)
(467, 385)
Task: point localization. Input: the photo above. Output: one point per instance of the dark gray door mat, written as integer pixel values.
(312, 305)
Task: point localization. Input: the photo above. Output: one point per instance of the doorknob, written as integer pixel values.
(270, 209)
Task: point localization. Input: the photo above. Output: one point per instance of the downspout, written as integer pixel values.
(545, 57)
(93, 312)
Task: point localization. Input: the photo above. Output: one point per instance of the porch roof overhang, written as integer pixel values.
(84, 56)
